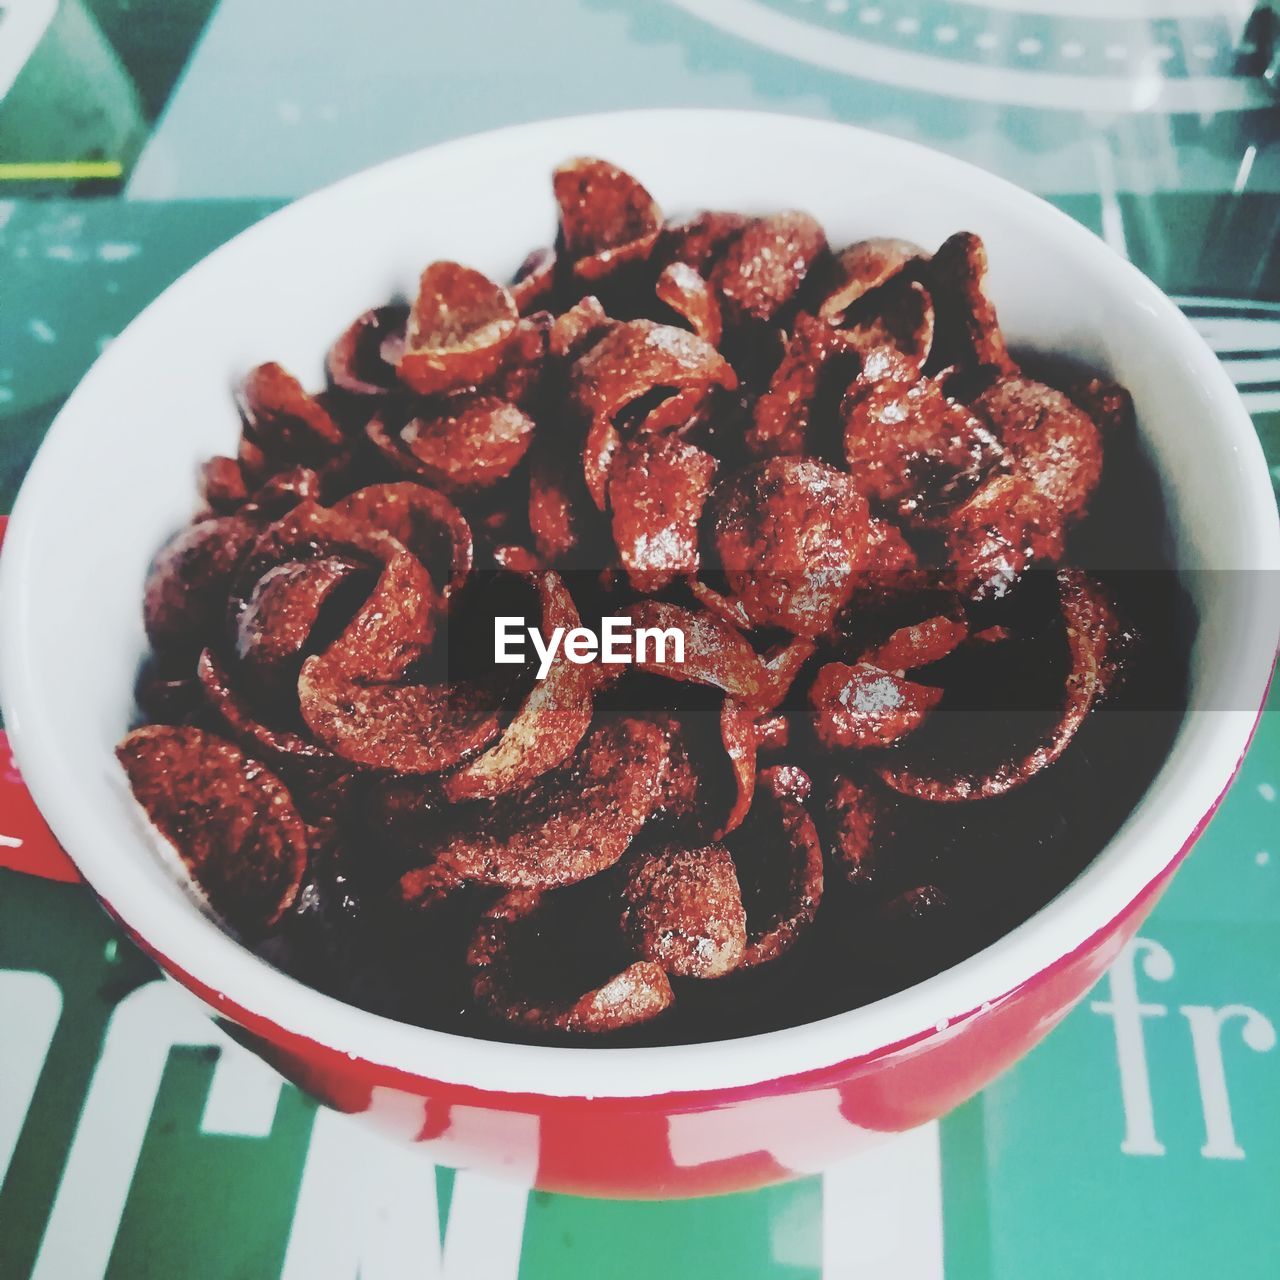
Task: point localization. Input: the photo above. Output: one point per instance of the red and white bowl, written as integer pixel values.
(116, 476)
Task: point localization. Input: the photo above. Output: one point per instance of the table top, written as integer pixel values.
(136, 1140)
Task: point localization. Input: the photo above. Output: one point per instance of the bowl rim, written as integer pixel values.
(206, 958)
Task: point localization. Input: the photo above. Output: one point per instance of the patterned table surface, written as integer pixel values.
(1142, 1139)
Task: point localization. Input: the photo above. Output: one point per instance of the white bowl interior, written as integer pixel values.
(116, 476)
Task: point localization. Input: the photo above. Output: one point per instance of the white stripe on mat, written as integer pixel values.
(882, 1212)
(367, 1208)
(30, 1003)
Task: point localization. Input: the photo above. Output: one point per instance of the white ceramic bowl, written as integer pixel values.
(116, 476)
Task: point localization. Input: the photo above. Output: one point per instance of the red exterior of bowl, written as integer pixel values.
(709, 1142)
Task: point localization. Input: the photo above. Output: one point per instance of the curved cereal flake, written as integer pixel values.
(781, 879)
(1093, 636)
(714, 654)
(993, 537)
(990, 635)
(967, 330)
(711, 773)
(186, 591)
(681, 784)
(894, 573)
(1050, 440)
(502, 984)
(423, 520)
(562, 517)
(658, 486)
(1089, 614)
(555, 519)
(520, 379)
(683, 910)
(408, 728)
(726, 607)
(552, 720)
(899, 315)
(892, 553)
(356, 363)
(738, 733)
(782, 666)
(222, 484)
(229, 819)
(864, 266)
(307, 531)
(252, 460)
(598, 450)
(578, 329)
(681, 413)
(606, 217)
(279, 492)
(393, 626)
(688, 294)
(386, 441)
(517, 559)
(856, 816)
(458, 330)
(281, 612)
(762, 270)
(791, 535)
(782, 418)
(786, 782)
(866, 706)
(470, 446)
(392, 348)
(571, 823)
(236, 711)
(1108, 403)
(919, 644)
(282, 420)
(638, 994)
(632, 359)
(429, 888)
(699, 241)
(907, 444)
(534, 280)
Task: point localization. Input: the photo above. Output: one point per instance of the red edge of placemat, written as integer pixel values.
(26, 843)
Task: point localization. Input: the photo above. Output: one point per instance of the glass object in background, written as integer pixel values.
(70, 114)
(81, 83)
